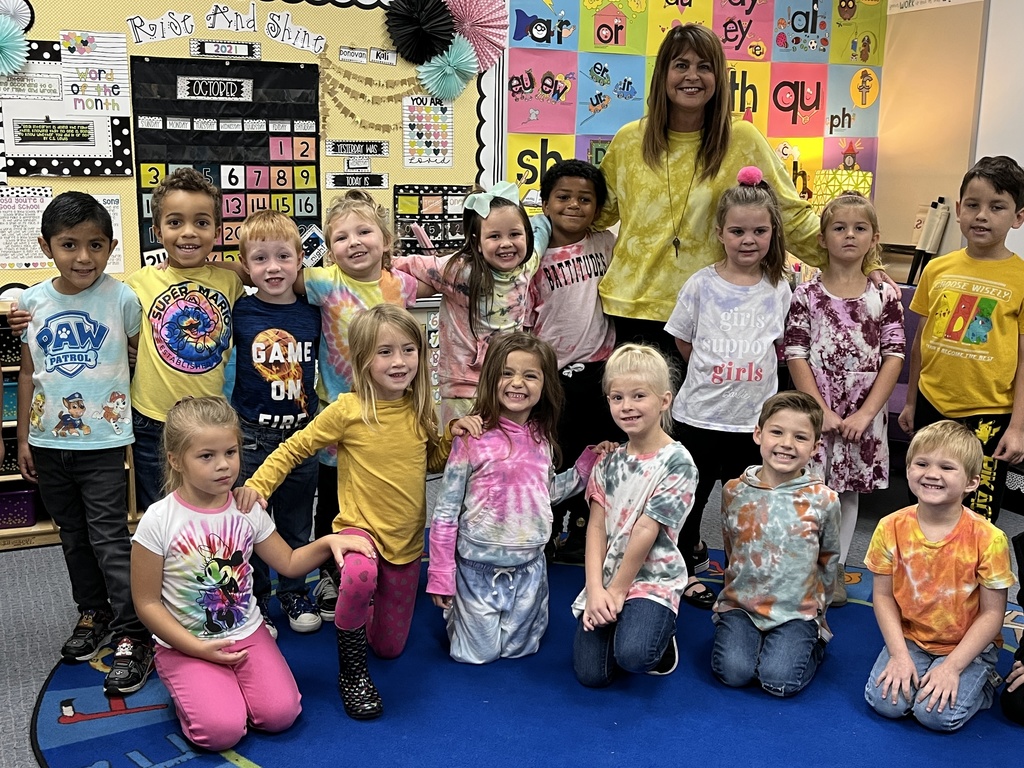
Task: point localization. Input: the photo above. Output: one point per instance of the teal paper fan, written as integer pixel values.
(13, 47)
(445, 76)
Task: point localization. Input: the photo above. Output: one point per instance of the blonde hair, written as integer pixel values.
(185, 420)
(268, 225)
(646, 363)
(854, 199)
(951, 439)
(360, 204)
(363, 333)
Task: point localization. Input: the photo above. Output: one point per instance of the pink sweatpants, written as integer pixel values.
(214, 701)
(392, 589)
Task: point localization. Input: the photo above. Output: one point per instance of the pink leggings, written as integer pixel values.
(214, 701)
(392, 590)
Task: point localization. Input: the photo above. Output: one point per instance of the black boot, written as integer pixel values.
(358, 693)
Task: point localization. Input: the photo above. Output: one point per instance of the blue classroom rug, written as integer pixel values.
(532, 712)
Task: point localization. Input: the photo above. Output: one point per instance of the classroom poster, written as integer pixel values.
(807, 73)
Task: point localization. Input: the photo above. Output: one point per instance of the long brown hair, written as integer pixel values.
(480, 281)
(544, 417)
(717, 129)
(363, 333)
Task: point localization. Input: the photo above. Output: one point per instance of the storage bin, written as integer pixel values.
(18, 508)
(9, 466)
(10, 401)
(10, 345)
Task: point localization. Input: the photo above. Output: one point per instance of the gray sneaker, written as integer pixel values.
(325, 594)
(839, 596)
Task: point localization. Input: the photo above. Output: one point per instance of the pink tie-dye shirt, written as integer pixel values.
(495, 501)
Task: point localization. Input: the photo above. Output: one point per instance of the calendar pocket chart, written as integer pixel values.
(251, 128)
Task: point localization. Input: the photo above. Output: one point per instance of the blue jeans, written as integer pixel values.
(85, 492)
(634, 643)
(148, 458)
(783, 659)
(291, 505)
(975, 691)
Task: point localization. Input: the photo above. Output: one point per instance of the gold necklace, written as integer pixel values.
(686, 200)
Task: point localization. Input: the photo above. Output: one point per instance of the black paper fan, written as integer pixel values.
(420, 29)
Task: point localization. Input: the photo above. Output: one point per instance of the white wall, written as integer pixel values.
(928, 113)
(1001, 117)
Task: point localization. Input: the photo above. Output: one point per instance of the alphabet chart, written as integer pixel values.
(250, 127)
(807, 73)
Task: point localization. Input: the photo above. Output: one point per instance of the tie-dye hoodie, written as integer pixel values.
(782, 544)
(495, 501)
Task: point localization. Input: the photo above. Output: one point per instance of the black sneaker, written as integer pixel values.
(325, 594)
(669, 660)
(263, 603)
(702, 561)
(88, 637)
(133, 661)
(302, 616)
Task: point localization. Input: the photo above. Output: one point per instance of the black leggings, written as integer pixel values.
(717, 456)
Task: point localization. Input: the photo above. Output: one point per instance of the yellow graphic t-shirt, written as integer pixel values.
(937, 583)
(973, 312)
(185, 337)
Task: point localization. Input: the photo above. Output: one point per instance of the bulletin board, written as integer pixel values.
(807, 73)
(92, 91)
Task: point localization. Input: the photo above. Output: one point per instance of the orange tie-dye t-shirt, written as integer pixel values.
(937, 584)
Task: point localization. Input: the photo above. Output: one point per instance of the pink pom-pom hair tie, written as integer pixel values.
(749, 176)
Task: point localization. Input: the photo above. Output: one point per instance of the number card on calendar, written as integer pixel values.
(250, 128)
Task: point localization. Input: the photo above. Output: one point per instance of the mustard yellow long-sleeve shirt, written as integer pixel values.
(382, 470)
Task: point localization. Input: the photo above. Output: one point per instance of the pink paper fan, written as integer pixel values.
(485, 24)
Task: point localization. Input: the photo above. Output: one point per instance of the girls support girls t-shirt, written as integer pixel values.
(734, 366)
(79, 348)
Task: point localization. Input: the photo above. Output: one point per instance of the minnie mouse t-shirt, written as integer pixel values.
(207, 578)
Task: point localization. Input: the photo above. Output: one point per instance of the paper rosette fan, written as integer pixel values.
(420, 29)
(13, 47)
(446, 75)
(485, 24)
(18, 11)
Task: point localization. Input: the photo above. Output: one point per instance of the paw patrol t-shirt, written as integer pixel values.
(79, 349)
(973, 313)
